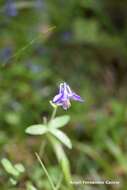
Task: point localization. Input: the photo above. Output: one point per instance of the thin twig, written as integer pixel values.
(20, 51)
(46, 172)
(59, 182)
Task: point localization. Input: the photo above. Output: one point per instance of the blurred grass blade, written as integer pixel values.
(95, 155)
(117, 153)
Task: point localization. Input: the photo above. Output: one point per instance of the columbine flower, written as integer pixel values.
(65, 95)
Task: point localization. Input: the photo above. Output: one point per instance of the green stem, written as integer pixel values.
(45, 170)
(53, 113)
(62, 160)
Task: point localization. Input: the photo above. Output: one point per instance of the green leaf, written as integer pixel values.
(62, 137)
(9, 168)
(59, 121)
(36, 129)
(12, 118)
(20, 167)
(30, 186)
(13, 181)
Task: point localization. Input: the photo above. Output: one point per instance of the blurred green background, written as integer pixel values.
(87, 48)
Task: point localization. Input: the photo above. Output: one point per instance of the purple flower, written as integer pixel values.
(10, 8)
(5, 54)
(66, 36)
(39, 4)
(65, 95)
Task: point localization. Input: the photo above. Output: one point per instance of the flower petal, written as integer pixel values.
(57, 98)
(61, 88)
(64, 92)
(66, 104)
(76, 97)
(69, 91)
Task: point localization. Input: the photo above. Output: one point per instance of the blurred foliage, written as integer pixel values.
(87, 48)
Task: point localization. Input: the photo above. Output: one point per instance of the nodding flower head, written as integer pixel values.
(65, 95)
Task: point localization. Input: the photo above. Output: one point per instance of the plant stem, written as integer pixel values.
(45, 170)
(59, 182)
(53, 113)
(62, 160)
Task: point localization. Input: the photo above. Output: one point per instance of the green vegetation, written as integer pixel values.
(46, 42)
